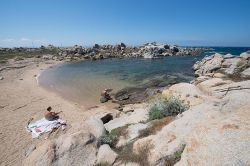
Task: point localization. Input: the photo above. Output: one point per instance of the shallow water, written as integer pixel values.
(82, 82)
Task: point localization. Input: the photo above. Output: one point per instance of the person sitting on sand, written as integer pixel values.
(105, 96)
(51, 115)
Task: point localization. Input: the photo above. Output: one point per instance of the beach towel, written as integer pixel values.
(43, 126)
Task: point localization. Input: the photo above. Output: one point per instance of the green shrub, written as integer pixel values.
(3, 61)
(166, 107)
(176, 157)
(241, 63)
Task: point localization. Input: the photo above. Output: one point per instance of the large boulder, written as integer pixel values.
(189, 93)
(214, 82)
(208, 64)
(73, 149)
(204, 134)
(95, 126)
(138, 115)
(246, 72)
(245, 55)
(106, 155)
(230, 65)
(133, 131)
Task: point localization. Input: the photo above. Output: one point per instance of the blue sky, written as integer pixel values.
(85, 22)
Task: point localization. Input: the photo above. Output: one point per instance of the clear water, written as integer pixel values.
(82, 82)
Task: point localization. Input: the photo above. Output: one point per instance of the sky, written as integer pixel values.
(31, 23)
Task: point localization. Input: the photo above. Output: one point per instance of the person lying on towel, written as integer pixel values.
(49, 115)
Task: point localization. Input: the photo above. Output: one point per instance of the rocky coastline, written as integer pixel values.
(97, 52)
(209, 127)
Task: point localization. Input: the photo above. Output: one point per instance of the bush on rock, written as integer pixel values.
(164, 107)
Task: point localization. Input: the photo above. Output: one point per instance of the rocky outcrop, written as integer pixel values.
(226, 64)
(208, 65)
(245, 55)
(149, 50)
(73, 149)
(213, 131)
(188, 93)
(95, 126)
(154, 50)
(246, 72)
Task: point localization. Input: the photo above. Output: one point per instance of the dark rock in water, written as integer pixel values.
(130, 95)
(122, 95)
(152, 91)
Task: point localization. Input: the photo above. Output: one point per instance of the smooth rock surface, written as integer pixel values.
(246, 72)
(106, 155)
(139, 115)
(95, 126)
(189, 93)
(245, 55)
(73, 149)
(133, 133)
(208, 64)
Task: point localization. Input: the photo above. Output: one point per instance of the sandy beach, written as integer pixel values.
(21, 99)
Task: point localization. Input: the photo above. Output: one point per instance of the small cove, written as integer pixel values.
(83, 81)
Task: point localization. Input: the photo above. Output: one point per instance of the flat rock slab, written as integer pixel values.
(139, 115)
(133, 133)
(246, 72)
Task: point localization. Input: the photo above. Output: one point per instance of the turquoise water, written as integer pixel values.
(83, 81)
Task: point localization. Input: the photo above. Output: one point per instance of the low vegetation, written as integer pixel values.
(112, 138)
(17, 54)
(241, 63)
(164, 107)
(156, 125)
(103, 164)
(173, 159)
(126, 154)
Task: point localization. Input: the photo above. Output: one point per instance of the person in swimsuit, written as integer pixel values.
(49, 115)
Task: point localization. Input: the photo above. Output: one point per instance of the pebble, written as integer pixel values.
(1, 78)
